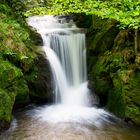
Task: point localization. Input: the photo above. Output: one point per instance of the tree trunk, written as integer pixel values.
(136, 41)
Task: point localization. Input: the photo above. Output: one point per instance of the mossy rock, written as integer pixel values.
(100, 75)
(99, 40)
(116, 98)
(6, 105)
(114, 69)
(8, 73)
(41, 87)
(133, 97)
(17, 56)
(82, 20)
(22, 90)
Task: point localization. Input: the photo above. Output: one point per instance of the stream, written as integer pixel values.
(32, 123)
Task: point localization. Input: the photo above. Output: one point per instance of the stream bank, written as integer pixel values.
(20, 60)
(114, 68)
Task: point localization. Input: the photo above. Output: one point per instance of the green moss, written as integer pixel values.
(8, 73)
(22, 90)
(17, 56)
(13, 47)
(133, 113)
(114, 70)
(6, 104)
(125, 98)
(99, 38)
(133, 97)
(100, 75)
(116, 102)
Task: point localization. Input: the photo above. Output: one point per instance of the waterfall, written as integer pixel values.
(66, 53)
(71, 52)
(64, 45)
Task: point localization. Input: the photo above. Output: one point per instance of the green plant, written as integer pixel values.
(126, 12)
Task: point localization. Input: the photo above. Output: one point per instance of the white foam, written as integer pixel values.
(70, 114)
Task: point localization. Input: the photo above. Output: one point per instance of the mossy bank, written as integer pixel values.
(19, 56)
(114, 68)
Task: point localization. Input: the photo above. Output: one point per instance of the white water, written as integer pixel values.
(66, 53)
(65, 49)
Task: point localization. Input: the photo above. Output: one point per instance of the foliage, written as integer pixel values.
(125, 11)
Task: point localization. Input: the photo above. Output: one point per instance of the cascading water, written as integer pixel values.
(64, 45)
(66, 53)
(70, 51)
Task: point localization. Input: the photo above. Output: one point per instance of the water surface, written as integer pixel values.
(67, 125)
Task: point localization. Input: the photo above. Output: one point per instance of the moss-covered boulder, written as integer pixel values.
(18, 67)
(97, 55)
(114, 69)
(9, 86)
